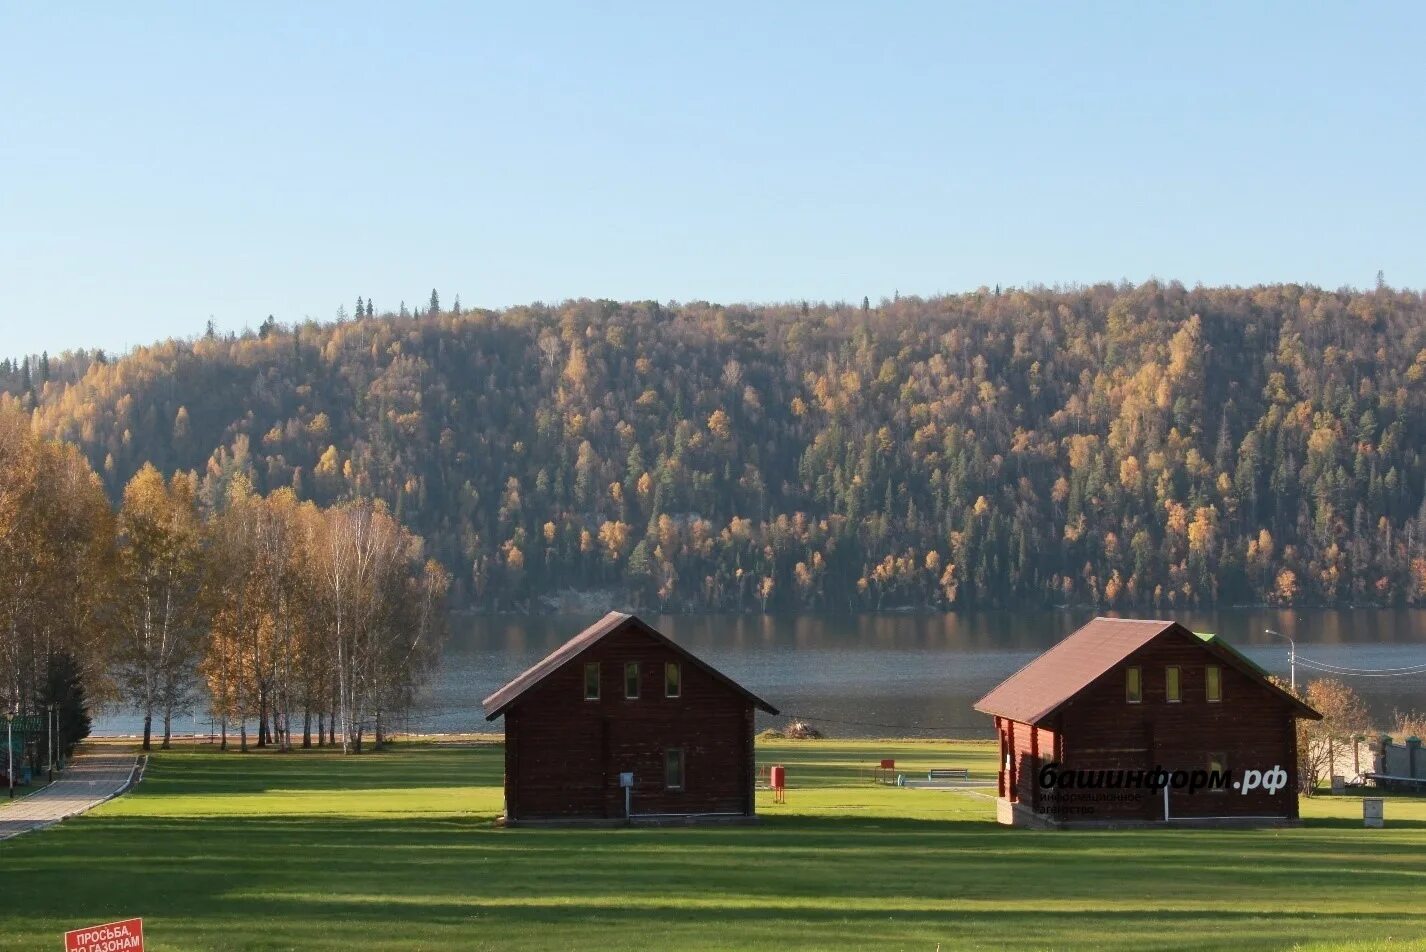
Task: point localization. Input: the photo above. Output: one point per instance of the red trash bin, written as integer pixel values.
(778, 779)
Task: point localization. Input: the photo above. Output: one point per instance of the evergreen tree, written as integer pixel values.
(63, 689)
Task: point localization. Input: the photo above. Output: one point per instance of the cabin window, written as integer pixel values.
(1217, 763)
(591, 681)
(1171, 686)
(1133, 685)
(672, 680)
(631, 680)
(1213, 683)
(673, 769)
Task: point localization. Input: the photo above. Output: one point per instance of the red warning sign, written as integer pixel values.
(126, 936)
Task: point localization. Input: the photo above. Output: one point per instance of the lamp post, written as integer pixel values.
(49, 723)
(1292, 656)
(10, 751)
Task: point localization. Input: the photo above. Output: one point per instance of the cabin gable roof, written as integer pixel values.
(1045, 684)
(498, 702)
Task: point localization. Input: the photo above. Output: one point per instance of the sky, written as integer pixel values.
(162, 165)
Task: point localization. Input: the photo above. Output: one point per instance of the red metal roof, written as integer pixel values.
(1038, 689)
(496, 703)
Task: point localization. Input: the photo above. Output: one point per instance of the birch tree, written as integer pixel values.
(160, 605)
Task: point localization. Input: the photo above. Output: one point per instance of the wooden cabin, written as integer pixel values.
(1089, 729)
(622, 724)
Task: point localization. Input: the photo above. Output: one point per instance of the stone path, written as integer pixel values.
(90, 779)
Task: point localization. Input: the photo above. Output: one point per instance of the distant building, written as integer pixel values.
(1383, 762)
(1129, 722)
(622, 699)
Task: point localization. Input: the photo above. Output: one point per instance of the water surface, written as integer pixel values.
(891, 674)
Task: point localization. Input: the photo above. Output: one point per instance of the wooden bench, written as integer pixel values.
(949, 773)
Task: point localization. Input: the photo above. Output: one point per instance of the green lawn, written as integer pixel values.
(397, 851)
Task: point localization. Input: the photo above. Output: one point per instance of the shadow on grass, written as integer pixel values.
(338, 921)
(897, 849)
(197, 773)
(1348, 823)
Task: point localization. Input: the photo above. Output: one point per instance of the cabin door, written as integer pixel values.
(609, 764)
(1153, 802)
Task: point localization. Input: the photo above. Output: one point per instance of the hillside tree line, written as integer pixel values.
(1134, 447)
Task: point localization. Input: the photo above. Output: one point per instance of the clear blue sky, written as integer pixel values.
(163, 163)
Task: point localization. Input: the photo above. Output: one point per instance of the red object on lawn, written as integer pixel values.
(779, 784)
(125, 936)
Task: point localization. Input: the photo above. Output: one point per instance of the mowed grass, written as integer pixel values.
(397, 850)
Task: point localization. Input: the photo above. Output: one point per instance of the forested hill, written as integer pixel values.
(1121, 446)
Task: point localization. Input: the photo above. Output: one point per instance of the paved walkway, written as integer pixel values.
(90, 779)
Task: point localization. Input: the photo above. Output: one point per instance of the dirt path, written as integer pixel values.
(91, 778)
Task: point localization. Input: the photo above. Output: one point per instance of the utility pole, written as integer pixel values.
(49, 723)
(1291, 657)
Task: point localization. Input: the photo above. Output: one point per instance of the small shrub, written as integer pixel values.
(1408, 724)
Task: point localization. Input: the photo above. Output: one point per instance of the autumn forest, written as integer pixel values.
(1116, 446)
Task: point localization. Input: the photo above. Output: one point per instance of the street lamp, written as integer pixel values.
(10, 750)
(1292, 656)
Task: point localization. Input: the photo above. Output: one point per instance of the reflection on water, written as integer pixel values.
(914, 674)
(877, 675)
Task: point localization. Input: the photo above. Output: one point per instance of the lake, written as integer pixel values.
(894, 674)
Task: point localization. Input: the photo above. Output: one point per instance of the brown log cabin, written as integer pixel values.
(1122, 704)
(620, 706)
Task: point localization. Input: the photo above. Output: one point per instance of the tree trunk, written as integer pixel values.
(243, 735)
(148, 731)
(167, 728)
(321, 729)
(307, 728)
(332, 728)
(223, 744)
